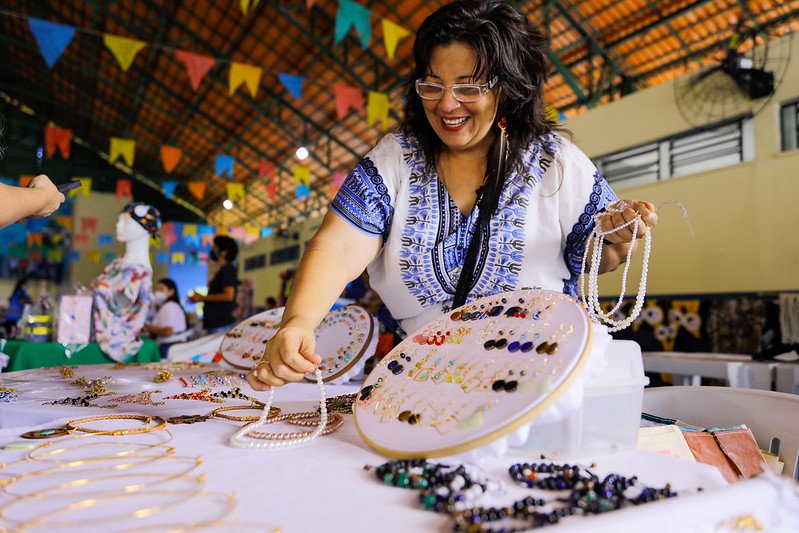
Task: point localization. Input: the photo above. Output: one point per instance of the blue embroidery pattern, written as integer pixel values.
(436, 235)
(364, 201)
(601, 195)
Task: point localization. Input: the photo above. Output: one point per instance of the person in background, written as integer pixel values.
(168, 326)
(16, 306)
(271, 303)
(220, 302)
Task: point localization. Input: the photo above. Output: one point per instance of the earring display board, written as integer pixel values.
(345, 338)
(474, 375)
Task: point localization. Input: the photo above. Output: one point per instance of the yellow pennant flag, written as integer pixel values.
(126, 148)
(123, 49)
(246, 74)
(85, 187)
(221, 230)
(65, 222)
(178, 258)
(189, 229)
(377, 107)
(92, 256)
(392, 33)
(246, 5)
(235, 191)
(302, 174)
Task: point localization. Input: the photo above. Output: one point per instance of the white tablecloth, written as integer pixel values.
(323, 486)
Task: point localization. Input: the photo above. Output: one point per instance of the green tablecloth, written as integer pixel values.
(26, 355)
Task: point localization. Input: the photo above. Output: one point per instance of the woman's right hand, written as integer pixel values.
(289, 356)
(51, 198)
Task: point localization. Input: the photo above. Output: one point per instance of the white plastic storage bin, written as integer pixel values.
(610, 416)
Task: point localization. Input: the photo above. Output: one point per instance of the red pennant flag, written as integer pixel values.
(80, 239)
(348, 97)
(170, 239)
(197, 66)
(168, 228)
(197, 188)
(170, 155)
(309, 4)
(266, 168)
(271, 191)
(124, 188)
(35, 238)
(57, 138)
(88, 224)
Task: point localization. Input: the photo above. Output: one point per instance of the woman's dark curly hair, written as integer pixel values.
(508, 48)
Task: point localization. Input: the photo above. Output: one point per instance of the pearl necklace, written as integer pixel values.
(594, 245)
(239, 440)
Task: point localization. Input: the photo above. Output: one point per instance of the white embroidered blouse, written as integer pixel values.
(536, 237)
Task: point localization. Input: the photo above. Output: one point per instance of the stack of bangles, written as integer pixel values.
(74, 426)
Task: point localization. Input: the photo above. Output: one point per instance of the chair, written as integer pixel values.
(773, 417)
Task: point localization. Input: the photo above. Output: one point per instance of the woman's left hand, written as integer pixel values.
(195, 297)
(621, 213)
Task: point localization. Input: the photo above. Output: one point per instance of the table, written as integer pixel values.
(25, 354)
(323, 486)
(688, 368)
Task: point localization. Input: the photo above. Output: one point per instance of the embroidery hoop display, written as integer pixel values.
(344, 339)
(474, 375)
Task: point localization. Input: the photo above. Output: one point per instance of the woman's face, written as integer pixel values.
(461, 126)
(160, 287)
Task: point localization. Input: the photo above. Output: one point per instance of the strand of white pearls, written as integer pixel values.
(240, 439)
(594, 246)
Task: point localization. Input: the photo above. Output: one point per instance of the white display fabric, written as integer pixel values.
(323, 487)
(536, 237)
(170, 315)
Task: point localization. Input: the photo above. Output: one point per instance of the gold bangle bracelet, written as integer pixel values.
(219, 523)
(217, 413)
(138, 447)
(160, 424)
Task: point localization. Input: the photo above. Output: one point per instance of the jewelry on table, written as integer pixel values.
(163, 376)
(84, 401)
(217, 413)
(341, 404)
(50, 450)
(236, 393)
(160, 423)
(299, 419)
(238, 439)
(202, 395)
(141, 398)
(66, 372)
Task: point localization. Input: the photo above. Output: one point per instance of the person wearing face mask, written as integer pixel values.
(168, 326)
(220, 302)
(477, 192)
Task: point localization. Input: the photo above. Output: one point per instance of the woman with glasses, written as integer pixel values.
(476, 194)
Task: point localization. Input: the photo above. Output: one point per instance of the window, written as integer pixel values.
(789, 124)
(284, 255)
(716, 146)
(255, 262)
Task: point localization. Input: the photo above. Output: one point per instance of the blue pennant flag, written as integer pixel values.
(292, 83)
(351, 14)
(53, 38)
(266, 231)
(205, 229)
(169, 188)
(73, 256)
(162, 257)
(224, 165)
(191, 241)
(105, 239)
(302, 191)
(109, 256)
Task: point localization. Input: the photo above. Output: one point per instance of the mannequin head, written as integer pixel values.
(129, 230)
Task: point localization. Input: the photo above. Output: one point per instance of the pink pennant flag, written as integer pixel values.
(348, 97)
(197, 66)
(88, 224)
(168, 228)
(170, 239)
(271, 191)
(81, 238)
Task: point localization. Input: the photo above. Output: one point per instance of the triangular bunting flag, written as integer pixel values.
(224, 165)
(122, 147)
(88, 224)
(162, 257)
(123, 49)
(347, 97)
(235, 191)
(57, 138)
(197, 66)
(178, 258)
(124, 188)
(169, 188)
(266, 168)
(302, 174)
(170, 155)
(302, 191)
(189, 229)
(392, 33)
(353, 14)
(52, 38)
(92, 256)
(197, 189)
(81, 238)
(35, 238)
(271, 191)
(378, 107)
(292, 83)
(85, 187)
(105, 240)
(246, 74)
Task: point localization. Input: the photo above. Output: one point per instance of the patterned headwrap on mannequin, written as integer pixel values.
(146, 215)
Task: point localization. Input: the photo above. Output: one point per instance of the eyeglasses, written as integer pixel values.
(462, 92)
